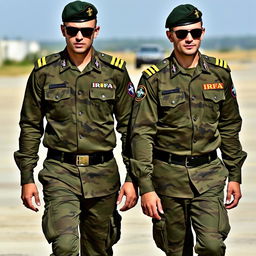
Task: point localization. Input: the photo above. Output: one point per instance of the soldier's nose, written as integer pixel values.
(79, 36)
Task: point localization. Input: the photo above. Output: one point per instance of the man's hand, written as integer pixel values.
(233, 189)
(28, 191)
(131, 192)
(151, 205)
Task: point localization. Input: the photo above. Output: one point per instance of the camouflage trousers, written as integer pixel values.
(96, 219)
(73, 224)
(207, 215)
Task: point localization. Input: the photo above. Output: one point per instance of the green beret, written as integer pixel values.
(183, 14)
(79, 11)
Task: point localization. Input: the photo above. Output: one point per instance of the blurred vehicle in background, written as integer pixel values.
(149, 54)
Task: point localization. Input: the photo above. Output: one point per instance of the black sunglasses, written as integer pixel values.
(195, 33)
(86, 32)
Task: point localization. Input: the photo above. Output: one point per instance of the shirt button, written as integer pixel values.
(215, 97)
(173, 102)
(194, 140)
(80, 92)
(81, 136)
(195, 118)
(80, 113)
(193, 97)
(57, 97)
(103, 96)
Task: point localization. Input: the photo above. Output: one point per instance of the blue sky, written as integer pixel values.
(40, 19)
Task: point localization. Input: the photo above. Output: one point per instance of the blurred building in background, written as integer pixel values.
(17, 50)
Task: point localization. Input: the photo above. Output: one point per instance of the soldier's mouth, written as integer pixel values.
(190, 46)
(79, 45)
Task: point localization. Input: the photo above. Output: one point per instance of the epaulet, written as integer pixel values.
(155, 68)
(217, 62)
(44, 61)
(112, 60)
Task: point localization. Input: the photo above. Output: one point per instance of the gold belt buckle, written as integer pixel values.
(82, 160)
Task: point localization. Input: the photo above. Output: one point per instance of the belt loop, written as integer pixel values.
(170, 158)
(186, 163)
(62, 157)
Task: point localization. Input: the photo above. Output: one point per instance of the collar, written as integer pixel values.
(65, 62)
(203, 63)
(202, 66)
(96, 63)
(176, 68)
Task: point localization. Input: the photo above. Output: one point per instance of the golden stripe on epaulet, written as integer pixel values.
(41, 62)
(121, 63)
(113, 60)
(152, 70)
(221, 63)
(117, 62)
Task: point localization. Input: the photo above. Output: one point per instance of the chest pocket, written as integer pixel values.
(173, 108)
(171, 99)
(57, 94)
(102, 94)
(212, 100)
(102, 104)
(58, 105)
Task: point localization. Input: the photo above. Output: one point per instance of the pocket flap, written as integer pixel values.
(57, 94)
(214, 95)
(102, 93)
(172, 99)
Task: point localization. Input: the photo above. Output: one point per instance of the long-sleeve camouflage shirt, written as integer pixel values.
(79, 108)
(185, 113)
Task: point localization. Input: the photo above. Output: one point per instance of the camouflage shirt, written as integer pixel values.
(79, 108)
(185, 112)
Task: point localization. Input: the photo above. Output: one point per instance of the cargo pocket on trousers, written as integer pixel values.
(224, 226)
(114, 230)
(160, 234)
(48, 224)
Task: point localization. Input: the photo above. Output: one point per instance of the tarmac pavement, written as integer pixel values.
(20, 230)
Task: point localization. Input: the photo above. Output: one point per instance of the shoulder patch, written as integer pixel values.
(141, 93)
(217, 62)
(41, 62)
(113, 61)
(154, 69)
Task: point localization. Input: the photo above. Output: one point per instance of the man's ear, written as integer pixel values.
(63, 30)
(97, 30)
(202, 36)
(169, 35)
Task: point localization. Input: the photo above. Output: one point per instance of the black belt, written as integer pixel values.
(80, 159)
(188, 161)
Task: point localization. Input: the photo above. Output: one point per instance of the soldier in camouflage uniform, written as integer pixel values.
(78, 91)
(185, 109)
